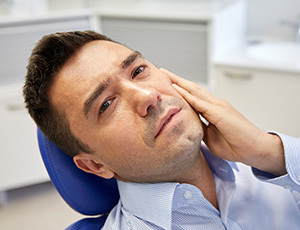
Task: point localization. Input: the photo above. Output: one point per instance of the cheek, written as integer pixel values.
(121, 137)
(121, 151)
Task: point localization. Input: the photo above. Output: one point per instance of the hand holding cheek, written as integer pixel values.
(229, 135)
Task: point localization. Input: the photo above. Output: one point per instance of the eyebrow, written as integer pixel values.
(96, 93)
(106, 83)
(130, 59)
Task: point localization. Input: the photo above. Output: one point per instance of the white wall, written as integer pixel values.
(264, 17)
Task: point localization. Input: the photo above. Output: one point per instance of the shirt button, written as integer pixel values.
(188, 195)
(287, 186)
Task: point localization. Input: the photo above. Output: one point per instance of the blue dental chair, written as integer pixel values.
(85, 193)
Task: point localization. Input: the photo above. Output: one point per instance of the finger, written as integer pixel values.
(199, 105)
(195, 100)
(184, 83)
(210, 111)
(174, 78)
(190, 86)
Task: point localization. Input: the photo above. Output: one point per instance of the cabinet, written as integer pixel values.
(182, 37)
(269, 99)
(19, 36)
(20, 163)
(181, 47)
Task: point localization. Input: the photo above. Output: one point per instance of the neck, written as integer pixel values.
(208, 186)
(202, 177)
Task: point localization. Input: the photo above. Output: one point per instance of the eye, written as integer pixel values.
(105, 106)
(137, 71)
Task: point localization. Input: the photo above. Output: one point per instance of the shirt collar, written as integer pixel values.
(150, 202)
(220, 167)
(153, 202)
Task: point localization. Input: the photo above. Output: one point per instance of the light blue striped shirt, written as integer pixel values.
(245, 201)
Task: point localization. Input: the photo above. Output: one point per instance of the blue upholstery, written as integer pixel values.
(86, 193)
(88, 224)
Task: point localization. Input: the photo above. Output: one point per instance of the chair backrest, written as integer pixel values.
(86, 193)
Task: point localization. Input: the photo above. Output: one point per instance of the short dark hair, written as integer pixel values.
(46, 61)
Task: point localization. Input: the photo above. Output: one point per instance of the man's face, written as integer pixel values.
(126, 110)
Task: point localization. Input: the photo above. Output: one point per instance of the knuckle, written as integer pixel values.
(224, 103)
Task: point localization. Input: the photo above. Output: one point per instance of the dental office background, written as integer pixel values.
(245, 51)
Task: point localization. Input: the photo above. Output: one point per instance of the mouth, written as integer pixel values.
(166, 121)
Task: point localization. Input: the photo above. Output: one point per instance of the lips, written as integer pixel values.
(167, 118)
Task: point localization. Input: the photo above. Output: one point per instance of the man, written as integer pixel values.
(120, 116)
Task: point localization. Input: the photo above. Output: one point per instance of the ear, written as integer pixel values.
(91, 164)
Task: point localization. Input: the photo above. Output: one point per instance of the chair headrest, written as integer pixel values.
(86, 193)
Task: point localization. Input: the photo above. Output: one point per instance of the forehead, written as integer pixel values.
(101, 54)
(94, 60)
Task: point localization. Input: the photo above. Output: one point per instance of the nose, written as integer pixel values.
(141, 97)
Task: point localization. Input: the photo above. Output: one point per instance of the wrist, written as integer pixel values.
(272, 158)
